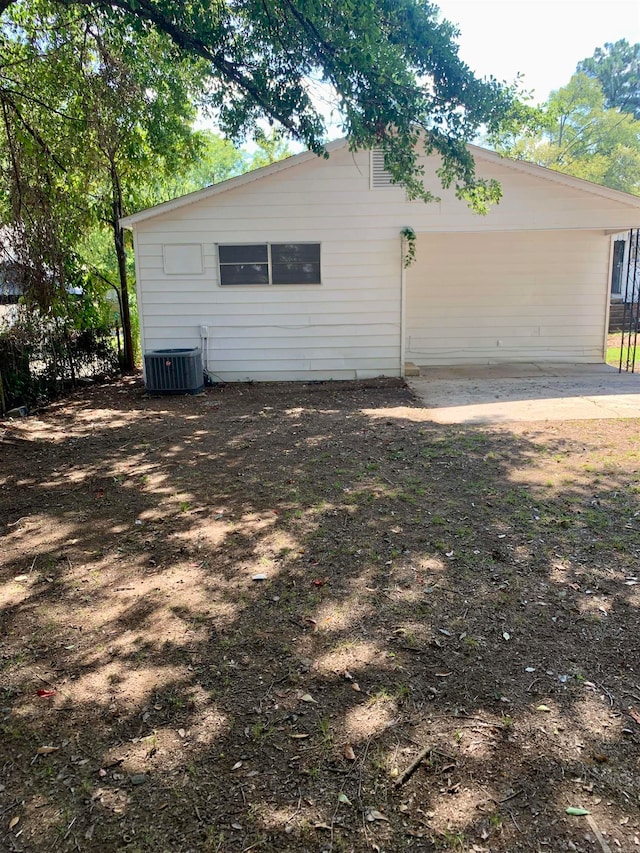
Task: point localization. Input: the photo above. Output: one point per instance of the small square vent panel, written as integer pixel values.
(174, 371)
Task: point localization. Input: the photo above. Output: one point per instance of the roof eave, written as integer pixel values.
(557, 177)
(305, 156)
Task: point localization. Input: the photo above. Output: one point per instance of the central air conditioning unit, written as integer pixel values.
(174, 371)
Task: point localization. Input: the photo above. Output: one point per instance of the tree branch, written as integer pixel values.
(186, 41)
(7, 101)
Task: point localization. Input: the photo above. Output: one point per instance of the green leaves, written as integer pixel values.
(616, 66)
(577, 134)
(388, 68)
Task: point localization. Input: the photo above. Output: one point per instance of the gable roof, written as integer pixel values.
(540, 172)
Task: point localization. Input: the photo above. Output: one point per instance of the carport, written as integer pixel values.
(508, 296)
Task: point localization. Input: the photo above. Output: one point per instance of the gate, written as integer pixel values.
(631, 316)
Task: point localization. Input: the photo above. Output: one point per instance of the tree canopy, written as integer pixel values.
(88, 112)
(616, 66)
(575, 133)
(390, 66)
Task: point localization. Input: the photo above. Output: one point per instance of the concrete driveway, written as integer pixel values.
(526, 392)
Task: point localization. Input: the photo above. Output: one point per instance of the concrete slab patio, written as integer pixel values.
(526, 392)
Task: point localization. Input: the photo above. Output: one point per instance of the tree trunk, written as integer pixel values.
(118, 241)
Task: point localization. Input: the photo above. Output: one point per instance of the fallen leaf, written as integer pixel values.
(600, 757)
(576, 811)
(635, 715)
(342, 798)
(14, 821)
(355, 686)
(308, 698)
(237, 765)
(299, 736)
(544, 708)
(374, 814)
(349, 754)
(46, 750)
(45, 694)
(322, 826)
(319, 582)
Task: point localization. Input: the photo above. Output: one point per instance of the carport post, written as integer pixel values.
(403, 292)
(607, 296)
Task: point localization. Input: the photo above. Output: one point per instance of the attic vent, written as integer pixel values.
(380, 177)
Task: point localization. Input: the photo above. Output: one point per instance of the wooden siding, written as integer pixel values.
(349, 326)
(535, 296)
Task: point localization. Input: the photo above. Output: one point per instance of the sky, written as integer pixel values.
(542, 39)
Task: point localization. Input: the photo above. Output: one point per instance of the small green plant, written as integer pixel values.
(326, 733)
(495, 820)
(453, 840)
(408, 246)
(214, 838)
(472, 643)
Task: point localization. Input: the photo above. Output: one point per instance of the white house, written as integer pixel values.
(295, 271)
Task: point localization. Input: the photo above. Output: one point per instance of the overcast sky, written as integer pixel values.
(542, 39)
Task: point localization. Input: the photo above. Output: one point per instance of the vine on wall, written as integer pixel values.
(408, 245)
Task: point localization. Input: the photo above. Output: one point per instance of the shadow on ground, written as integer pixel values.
(468, 594)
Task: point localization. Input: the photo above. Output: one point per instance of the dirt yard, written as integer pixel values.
(294, 618)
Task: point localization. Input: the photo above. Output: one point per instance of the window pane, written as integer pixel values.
(244, 274)
(295, 273)
(295, 263)
(295, 253)
(250, 254)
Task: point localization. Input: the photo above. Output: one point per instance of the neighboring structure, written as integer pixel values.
(295, 271)
(11, 292)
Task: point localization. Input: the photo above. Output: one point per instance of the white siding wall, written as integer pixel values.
(349, 326)
(542, 297)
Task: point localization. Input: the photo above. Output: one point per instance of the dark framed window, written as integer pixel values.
(248, 264)
(269, 263)
(295, 263)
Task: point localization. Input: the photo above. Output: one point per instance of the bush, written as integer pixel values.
(42, 355)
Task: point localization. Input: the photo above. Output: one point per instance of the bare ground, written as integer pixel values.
(463, 595)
